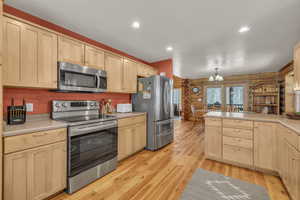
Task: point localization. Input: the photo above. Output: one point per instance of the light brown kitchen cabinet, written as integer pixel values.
(11, 51)
(281, 157)
(35, 174)
(213, 141)
(114, 69)
(265, 145)
(139, 137)
(131, 136)
(35, 165)
(125, 142)
(16, 176)
(129, 76)
(47, 59)
(94, 57)
(30, 55)
(70, 50)
(146, 71)
(292, 171)
(297, 67)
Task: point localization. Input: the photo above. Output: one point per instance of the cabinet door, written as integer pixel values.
(40, 169)
(47, 59)
(58, 168)
(11, 51)
(70, 50)
(47, 166)
(16, 176)
(114, 69)
(297, 67)
(139, 141)
(213, 141)
(125, 142)
(265, 145)
(94, 57)
(130, 76)
(293, 171)
(29, 52)
(281, 158)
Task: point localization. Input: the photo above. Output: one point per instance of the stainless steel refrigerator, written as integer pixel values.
(154, 96)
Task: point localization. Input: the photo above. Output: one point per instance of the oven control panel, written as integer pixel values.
(65, 106)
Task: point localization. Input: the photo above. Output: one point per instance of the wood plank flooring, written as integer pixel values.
(163, 174)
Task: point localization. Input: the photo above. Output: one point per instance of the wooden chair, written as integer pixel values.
(198, 115)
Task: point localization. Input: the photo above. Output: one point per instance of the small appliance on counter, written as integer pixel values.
(124, 108)
(16, 114)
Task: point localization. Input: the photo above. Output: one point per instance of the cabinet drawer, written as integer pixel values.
(240, 133)
(237, 154)
(239, 142)
(27, 141)
(131, 121)
(235, 123)
(213, 122)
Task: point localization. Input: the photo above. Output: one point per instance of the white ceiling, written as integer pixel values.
(203, 33)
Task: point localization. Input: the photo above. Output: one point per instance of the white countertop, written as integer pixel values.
(289, 123)
(34, 123)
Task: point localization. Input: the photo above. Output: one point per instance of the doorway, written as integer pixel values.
(177, 103)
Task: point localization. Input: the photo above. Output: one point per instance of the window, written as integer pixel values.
(214, 97)
(235, 98)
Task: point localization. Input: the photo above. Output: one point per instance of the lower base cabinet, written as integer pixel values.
(276, 148)
(213, 141)
(35, 174)
(131, 136)
(291, 173)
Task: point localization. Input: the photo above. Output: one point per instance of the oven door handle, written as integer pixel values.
(90, 129)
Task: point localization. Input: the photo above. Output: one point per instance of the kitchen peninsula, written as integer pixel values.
(267, 143)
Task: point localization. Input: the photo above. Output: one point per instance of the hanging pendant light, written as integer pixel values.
(216, 76)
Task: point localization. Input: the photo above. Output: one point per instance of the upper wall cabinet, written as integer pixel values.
(130, 76)
(30, 55)
(146, 71)
(94, 57)
(114, 69)
(297, 67)
(70, 50)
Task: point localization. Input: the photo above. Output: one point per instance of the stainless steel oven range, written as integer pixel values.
(92, 141)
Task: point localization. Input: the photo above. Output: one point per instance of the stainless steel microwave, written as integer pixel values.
(77, 78)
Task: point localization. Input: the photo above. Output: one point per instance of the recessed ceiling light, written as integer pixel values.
(169, 48)
(244, 29)
(135, 25)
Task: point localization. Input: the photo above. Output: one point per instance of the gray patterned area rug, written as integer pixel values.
(211, 186)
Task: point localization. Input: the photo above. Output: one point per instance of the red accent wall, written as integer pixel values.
(41, 98)
(164, 66)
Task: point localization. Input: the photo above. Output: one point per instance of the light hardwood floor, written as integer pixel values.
(164, 174)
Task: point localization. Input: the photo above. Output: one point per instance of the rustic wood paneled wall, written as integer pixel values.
(189, 98)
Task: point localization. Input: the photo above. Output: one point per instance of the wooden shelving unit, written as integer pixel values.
(265, 98)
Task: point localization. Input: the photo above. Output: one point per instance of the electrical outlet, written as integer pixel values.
(29, 107)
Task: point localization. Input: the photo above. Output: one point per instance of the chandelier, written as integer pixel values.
(216, 76)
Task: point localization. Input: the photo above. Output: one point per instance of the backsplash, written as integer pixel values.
(41, 98)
